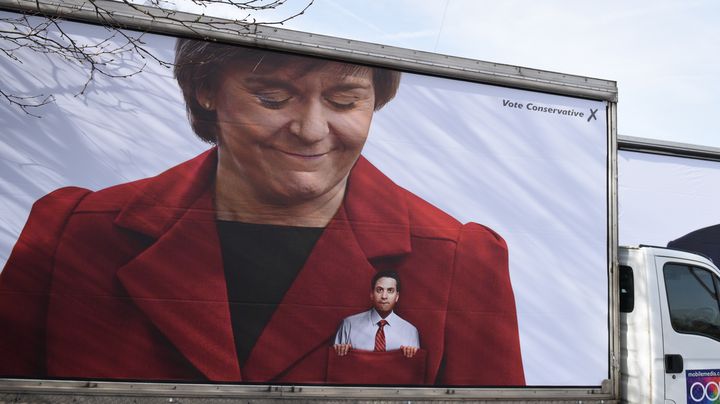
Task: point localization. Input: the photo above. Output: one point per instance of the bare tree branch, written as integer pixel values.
(49, 36)
(26, 104)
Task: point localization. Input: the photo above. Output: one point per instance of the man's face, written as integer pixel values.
(290, 137)
(384, 296)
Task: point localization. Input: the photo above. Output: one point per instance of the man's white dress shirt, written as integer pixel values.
(359, 331)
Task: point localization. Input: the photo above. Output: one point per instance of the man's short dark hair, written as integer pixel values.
(199, 64)
(386, 274)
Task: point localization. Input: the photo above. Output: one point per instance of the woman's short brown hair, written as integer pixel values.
(198, 65)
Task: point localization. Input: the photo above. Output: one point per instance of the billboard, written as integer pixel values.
(252, 216)
(667, 200)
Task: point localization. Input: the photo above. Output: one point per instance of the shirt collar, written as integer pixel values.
(375, 317)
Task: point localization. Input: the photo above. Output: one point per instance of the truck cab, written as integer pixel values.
(669, 326)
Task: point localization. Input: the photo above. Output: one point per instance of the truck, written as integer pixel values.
(669, 341)
(515, 160)
(668, 326)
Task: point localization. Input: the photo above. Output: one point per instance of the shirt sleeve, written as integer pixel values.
(415, 339)
(342, 336)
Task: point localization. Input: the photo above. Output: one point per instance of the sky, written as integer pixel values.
(663, 54)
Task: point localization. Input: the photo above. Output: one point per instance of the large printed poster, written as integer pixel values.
(250, 216)
(668, 200)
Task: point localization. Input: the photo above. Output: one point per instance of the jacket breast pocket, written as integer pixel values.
(376, 368)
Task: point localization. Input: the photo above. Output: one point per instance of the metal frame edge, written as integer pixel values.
(613, 239)
(154, 20)
(677, 149)
(302, 392)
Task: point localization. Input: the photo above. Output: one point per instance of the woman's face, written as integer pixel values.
(292, 136)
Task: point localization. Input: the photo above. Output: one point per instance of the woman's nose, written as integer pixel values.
(311, 122)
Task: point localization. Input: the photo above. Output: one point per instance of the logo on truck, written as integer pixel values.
(703, 386)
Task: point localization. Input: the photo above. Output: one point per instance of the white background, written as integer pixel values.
(537, 179)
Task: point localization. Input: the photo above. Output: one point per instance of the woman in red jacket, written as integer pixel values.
(239, 264)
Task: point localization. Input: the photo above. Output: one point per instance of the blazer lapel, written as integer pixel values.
(311, 310)
(179, 282)
(334, 282)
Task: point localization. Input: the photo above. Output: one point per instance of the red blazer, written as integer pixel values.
(128, 283)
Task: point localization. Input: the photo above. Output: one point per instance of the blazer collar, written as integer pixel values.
(158, 202)
(376, 207)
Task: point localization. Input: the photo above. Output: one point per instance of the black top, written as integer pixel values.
(261, 261)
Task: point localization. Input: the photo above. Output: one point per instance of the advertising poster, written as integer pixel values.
(240, 215)
(669, 201)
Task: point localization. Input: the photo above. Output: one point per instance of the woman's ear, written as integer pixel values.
(205, 98)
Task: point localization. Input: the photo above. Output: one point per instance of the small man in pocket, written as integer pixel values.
(379, 329)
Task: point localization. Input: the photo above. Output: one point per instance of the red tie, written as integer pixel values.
(380, 337)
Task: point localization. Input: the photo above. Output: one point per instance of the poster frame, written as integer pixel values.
(151, 20)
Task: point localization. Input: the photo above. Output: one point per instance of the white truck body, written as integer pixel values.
(663, 358)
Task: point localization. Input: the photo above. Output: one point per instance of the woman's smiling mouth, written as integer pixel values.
(304, 155)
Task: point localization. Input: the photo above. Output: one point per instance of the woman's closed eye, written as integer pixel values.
(343, 101)
(273, 99)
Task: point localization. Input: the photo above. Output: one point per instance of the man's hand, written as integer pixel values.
(408, 351)
(342, 349)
